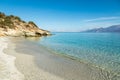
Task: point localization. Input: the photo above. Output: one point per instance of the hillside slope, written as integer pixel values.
(14, 26)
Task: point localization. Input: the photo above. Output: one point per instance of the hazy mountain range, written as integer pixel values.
(114, 28)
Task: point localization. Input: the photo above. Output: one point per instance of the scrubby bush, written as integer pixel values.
(16, 17)
(7, 22)
(31, 22)
(2, 15)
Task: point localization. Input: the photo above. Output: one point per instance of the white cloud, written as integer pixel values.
(102, 18)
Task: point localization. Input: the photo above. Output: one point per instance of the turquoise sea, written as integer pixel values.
(99, 49)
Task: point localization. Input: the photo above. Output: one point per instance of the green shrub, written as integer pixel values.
(16, 17)
(2, 15)
(7, 22)
(31, 22)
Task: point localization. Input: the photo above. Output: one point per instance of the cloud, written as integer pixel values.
(102, 18)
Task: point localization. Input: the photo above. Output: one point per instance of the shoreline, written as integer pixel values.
(38, 63)
(57, 65)
(8, 70)
(26, 65)
(83, 62)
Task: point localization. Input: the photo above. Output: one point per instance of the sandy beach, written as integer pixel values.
(8, 70)
(38, 63)
(25, 64)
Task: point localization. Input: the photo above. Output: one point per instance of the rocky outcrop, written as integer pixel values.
(14, 26)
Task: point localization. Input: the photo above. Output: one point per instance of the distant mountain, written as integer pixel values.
(114, 28)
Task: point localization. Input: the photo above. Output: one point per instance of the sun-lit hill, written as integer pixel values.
(14, 26)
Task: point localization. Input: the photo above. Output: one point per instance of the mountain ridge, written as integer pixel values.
(113, 28)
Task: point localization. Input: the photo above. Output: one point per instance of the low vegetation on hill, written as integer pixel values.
(14, 26)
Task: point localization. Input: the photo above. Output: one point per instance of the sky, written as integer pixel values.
(65, 15)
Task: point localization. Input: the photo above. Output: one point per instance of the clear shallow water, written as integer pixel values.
(100, 49)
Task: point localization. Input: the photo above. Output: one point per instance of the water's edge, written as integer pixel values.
(111, 75)
(106, 75)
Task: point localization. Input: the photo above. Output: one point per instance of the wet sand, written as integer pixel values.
(38, 63)
(25, 64)
(8, 70)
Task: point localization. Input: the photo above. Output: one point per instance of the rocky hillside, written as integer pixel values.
(114, 28)
(14, 26)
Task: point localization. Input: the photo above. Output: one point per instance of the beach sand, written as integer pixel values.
(8, 71)
(37, 63)
(25, 64)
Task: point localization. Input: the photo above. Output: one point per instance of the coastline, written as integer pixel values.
(35, 62)
(38, 63)
(8, 71)
(25, 64)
